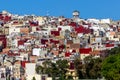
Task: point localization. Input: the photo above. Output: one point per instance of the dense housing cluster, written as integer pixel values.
(27, 41)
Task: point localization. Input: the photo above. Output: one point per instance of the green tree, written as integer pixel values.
(33, 78)
(62, 66)
(44, 68)
(111, 67)
(113, 51)
(53, 70)
(79, 68)
(95, 71)
(47, 67)
(90, 68)
(39, 69)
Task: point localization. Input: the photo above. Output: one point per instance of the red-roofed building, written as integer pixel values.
(61, 46)
(21, 42)
(13, 54)
(84, 52)
(109, 46)
(73, 51)
(43, 41)
(33, 23)
(73, 24)
(54, 41)
(55, 33)
(82, 29)
(59, 29)
(5, 18)
(67, 54)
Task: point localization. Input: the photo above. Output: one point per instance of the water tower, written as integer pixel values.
(76, 14)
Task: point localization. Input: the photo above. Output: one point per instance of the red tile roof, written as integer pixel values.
(61, 46)
(82, 29)
(5, 18)
(13, 54)
(32, 23)
(67, 54)
(55, 33)
(43, 41)
(109, 45)
(54, 41)
(85, 50)
(21, 42)
(73, 24)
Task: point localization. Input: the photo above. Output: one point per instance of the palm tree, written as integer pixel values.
(12, 61)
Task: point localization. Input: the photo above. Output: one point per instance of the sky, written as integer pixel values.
(88, 8)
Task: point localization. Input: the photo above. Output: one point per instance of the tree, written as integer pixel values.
(39, 69)
(79, 68)
(92, 67)
(45, 68)
(95, 71)
(111, 67)
(113, 51)
(33, 78)
(53, 70)
(62, 66)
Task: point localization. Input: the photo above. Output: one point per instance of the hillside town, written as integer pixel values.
(26, 41)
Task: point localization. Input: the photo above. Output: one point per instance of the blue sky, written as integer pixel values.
(87, 8)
